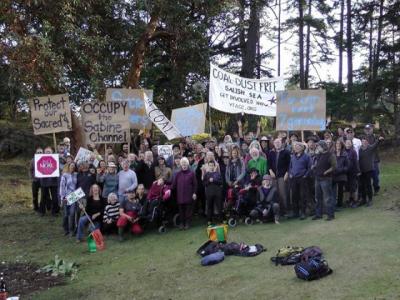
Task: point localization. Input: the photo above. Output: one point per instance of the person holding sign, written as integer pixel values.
(35, 181)
(68, 185)
(49, 195)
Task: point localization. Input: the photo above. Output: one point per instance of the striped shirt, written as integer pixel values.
(111, 212)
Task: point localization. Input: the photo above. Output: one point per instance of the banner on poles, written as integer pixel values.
(106, 122)
(164, 151)
(50, 114)
(75, 196)
(47, 165)
(234, 94)
(135, 100)
(190, 120)
(301, 110)
(160, 120)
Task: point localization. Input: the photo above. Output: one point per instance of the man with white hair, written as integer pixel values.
(146, 170)
(257, 162)
(127, 181)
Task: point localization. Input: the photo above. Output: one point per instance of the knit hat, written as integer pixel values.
(267, 177)
(323, 145)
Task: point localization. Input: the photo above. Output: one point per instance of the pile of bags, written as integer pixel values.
(309, 263)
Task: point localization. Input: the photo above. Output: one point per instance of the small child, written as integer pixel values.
(111, 214)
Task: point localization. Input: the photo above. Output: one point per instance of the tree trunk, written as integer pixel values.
(301, 43)
(341, 42)
(249, 57)
(307, 67)
(139, 52)
(349, 46)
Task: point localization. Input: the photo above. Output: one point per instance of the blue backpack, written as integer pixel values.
(212, 259)
(313, 268)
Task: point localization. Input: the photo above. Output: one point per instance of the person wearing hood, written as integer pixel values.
(323, 168)
(257, 162)
(184, 184)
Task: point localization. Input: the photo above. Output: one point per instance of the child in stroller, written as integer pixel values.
(243, 200)
(154, 208)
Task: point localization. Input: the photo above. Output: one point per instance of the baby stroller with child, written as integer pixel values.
(240, 201)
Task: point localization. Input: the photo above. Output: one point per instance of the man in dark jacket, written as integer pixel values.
(366, 158)
(145, 170)
(49, 193)
(267, 205)
(369, 134)
(279, 160)
(35, 181)
(323, 169)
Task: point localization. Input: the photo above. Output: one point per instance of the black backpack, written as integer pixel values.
(243, 249)
(313, 268)
(210, 247)
(291, 259)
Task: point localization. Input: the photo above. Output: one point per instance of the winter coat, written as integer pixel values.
(185, 185)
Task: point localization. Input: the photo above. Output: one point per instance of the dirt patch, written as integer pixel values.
(22, 279)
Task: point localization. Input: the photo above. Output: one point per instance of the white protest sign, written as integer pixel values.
(75, 196)
(85, 155)
(165, 151)
(47, 165)
(234, 94)
(190, 120)
(160, 120)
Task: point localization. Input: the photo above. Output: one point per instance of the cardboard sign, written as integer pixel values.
(106, 122)
(135, 100)
(301, 110)
(234, 94)
(50, 114)
(165, 151)
(190, 120)
(75, 196)
(160, 120)
(85, 155)
(47, 165)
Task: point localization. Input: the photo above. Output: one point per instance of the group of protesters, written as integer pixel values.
(275, 177)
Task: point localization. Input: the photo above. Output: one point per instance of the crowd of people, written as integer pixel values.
(261, 178)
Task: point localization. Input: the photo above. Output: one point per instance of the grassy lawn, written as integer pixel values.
(361, 246)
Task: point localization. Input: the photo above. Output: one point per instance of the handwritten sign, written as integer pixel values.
(190, 120)
(47, 165)
(234, 94)
(85, 155)
(301, 110)
(75, 196)
(135, 100)
(160, 120)
(165, 151)
(50, 114)
(106, 122)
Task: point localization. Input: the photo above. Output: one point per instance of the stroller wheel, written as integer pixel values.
(176, 220)
(162, 229)
(232, 222)
(248, 221)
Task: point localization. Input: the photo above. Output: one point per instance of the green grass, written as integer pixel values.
(361, 247)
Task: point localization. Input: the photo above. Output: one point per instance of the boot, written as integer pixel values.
(277, 219)
(121, 234)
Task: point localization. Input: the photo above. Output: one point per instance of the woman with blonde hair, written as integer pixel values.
(68, 185)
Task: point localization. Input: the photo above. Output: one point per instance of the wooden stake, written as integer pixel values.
(55, 142)
(302, 135)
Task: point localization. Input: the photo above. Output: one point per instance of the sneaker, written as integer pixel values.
(316, 218)
(329, 218)
(186, 227)
(277, 222)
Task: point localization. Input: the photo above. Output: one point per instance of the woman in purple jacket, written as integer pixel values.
(184, 184)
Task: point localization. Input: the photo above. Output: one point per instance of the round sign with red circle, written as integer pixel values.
(46, 165)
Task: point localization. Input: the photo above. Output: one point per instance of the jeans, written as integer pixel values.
(298, 186)
(282, 187)
(366, 186)
(81, 225)
(69, 217)
(375, 176)
(121, 198)
(337, 192)
(49, 200)
(213, 201)
(323, 197)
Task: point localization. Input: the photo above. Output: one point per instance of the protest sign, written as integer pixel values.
(160, 120)
(85, 155)
(106, 122)
(75, 196)
(301, 110)
(50, 114)
(190, 120)
(234, 94)
(135, 100)
(165, 151)
(47, 165)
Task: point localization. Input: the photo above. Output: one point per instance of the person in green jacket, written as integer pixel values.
(258, 162)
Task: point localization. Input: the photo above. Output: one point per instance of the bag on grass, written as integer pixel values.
(217, 233)
(91, 244)
(98, 238)
(209, 247)
(314, 268)
(241, 249)
(287, 255)
(212, 259)
(311, 252)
